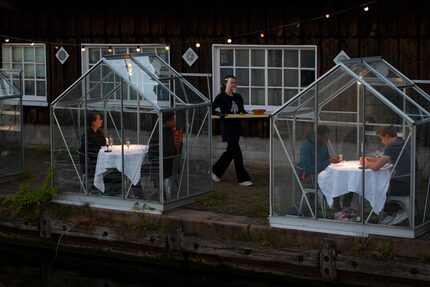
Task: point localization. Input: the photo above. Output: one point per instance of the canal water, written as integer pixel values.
(25, 266)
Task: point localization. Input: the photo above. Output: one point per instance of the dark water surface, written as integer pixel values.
(26, 266)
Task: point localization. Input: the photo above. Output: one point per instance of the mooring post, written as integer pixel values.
(328, 260)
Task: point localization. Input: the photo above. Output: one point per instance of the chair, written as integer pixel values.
(305, 191)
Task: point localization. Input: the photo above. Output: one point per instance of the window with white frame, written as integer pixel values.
(94, 52)
(31, 60)
(267, 76)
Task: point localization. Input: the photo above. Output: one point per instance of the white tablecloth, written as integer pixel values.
(344, 177)
(133, 159)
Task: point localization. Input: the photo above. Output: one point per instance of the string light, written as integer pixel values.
(197, 45)
(167, 48)
(110, 49)
(83, 49)
(32, 44)
(261, 32)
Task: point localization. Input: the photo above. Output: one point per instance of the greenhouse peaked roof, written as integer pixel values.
(379, 77)
(7, 89)
(147, 73)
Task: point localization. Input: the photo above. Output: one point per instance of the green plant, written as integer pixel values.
(29, 202)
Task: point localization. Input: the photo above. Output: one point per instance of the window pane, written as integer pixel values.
(94, 55)
(120, 50)
(17, 54)
(29, 71)
(17, 66)
(275, 97)
(40, 71)
(307, 59)
(40, 88)
(291, 78)
(40, 54)
(28, 54)
(242, 77)
(5, 53)
(242, 58)
(105, 52)
(289, 93)
(226, 57)
(132, 95)
(163, 54)
(257, 96)
(274, 58)
(275, 77)
(257, 77)
(244, 92)
(257, 58)
(307, 77)
(29, 88)
(225, 72)
(291, 58)
(5, 65)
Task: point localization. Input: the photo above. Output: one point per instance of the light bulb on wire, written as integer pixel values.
(197, 45)
(366, 8)
(229, 40)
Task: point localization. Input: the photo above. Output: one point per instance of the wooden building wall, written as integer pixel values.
(397, 30)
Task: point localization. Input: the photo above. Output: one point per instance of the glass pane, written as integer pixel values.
(257, 58)
(40, 54)
(289, 94)
(5, 54)
(275, 97)
(307, 77)
(307, 59)
(225, 72)
(40, 88)
(257, 77)
(28, 54)
(275, 77)
(242, 77)
(149, 50)
(105, 52)
(17, 54)
(29, 88)
(244, 92)
(17, 66)
(242, 57)
(29, 71)
(274, 58)
(5, 65)
(40, 71)
(120, 50)
(163, 54)
(291, 58)
(94, 55)
(291, 78)
(257, 96)
(226, 57)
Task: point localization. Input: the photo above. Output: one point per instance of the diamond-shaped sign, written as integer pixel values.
(190, 56)
(62, 55)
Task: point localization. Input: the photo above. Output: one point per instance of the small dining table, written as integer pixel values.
(133, 159)
(347, 176)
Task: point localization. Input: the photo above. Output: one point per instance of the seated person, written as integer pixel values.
(400, 182)
(307, 154)
(171, 147)
(95, 140)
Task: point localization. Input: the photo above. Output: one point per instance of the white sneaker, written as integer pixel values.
(246, 183)
(401, 216)
(215, 178)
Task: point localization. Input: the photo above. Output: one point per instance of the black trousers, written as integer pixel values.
(233, 152)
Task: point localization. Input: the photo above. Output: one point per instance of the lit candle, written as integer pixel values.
(107, 141)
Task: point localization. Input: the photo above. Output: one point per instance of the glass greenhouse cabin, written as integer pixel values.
(339, 114)
(11, 137)
(142, 160)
